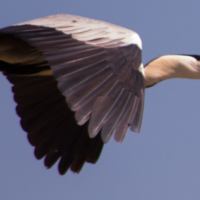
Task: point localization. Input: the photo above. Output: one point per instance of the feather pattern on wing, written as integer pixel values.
(96, 66)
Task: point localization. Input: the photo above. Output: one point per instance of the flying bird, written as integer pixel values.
(78, 81)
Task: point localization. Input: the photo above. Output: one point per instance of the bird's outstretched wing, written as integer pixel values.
(96, 88)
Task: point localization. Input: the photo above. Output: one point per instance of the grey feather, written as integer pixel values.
(97, 68)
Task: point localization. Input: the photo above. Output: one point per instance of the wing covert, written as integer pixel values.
(96, 65)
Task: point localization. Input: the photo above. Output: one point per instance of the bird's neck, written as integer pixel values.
(171, 66)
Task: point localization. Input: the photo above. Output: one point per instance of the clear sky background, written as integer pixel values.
(160, 163)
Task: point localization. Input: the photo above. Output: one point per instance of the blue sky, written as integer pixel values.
(163, 161)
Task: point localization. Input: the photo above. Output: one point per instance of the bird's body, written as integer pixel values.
(78, 81)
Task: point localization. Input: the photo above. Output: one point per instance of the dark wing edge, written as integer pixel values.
(51, 125)
(102, 87)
